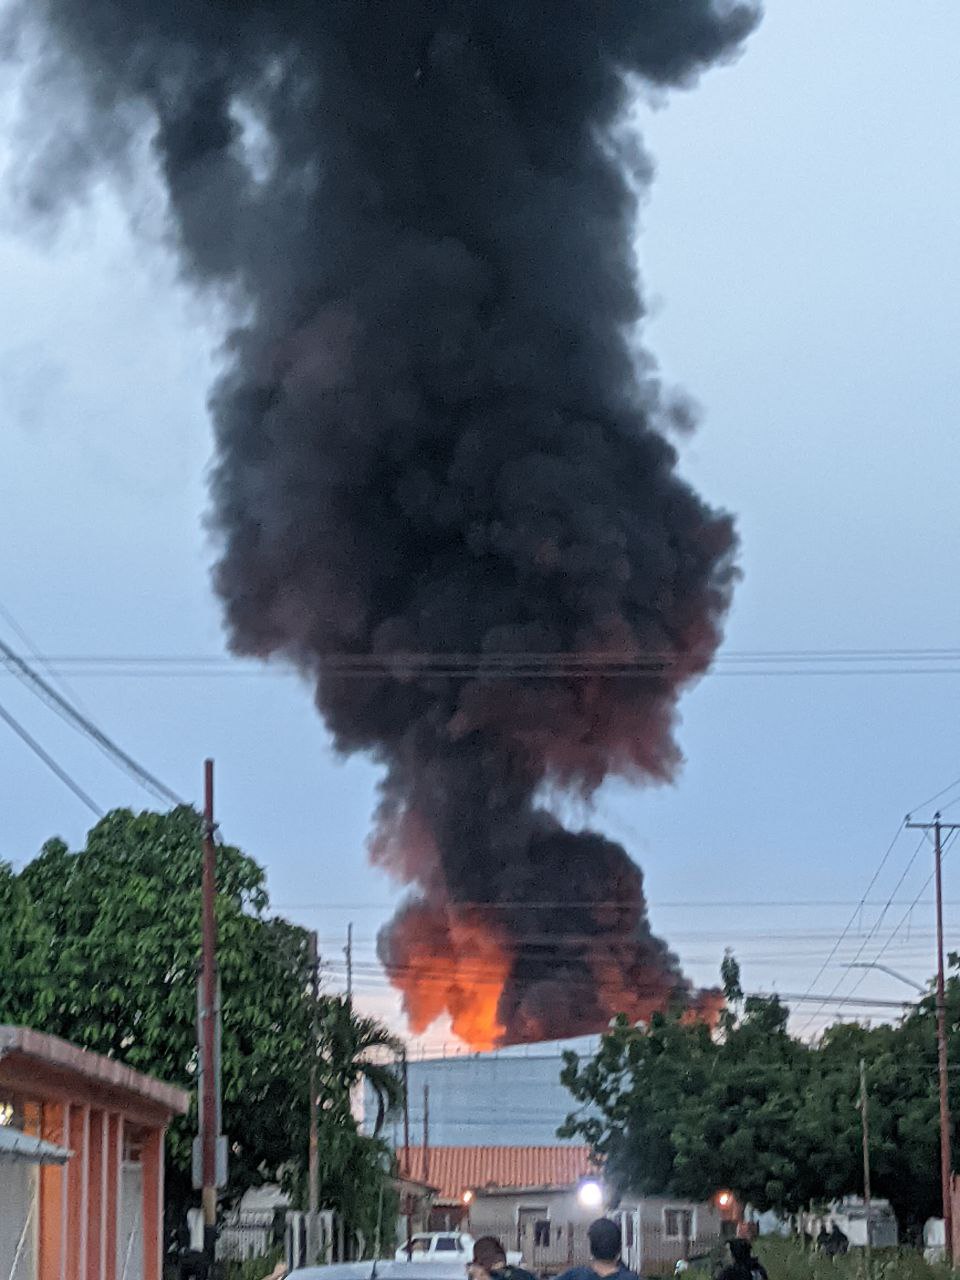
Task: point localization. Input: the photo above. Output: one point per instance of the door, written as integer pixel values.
(531, 1220)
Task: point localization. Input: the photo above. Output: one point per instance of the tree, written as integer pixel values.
(675, 1110)
(25, 981)
(104, 950)
(356, 1051)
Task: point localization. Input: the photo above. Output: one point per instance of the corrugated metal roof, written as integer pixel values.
(456, 1169)
(15, 1145)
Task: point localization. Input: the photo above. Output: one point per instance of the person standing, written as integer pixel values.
(606, 1246)
(743, 1264)
(490, 1262)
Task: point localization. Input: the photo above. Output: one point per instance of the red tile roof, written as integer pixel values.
(454, 1170)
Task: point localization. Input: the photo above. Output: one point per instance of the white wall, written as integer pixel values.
(18, 1181)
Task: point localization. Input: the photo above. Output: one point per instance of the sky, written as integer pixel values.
(802, 270)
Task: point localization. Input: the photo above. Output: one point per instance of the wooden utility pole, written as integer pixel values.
(865, 1125)
(313, 1191)
(209, 1023)
(946, 1162)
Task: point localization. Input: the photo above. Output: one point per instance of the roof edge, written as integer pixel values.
(95, 1068)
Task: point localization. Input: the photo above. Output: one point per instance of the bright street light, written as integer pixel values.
(590, 1195)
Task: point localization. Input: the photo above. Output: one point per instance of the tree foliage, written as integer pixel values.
(103, 949)
(675, 1109)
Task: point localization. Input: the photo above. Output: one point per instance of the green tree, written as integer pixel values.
(356, 1051)
(26, 984)
(122, 920)
(675, 1109)
(104, 951)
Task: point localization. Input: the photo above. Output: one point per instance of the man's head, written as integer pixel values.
(740, 1250)
(605, 1240)
(489, 1253)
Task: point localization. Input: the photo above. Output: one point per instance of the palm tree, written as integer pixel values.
(357, 1050)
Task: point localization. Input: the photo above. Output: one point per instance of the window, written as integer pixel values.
(678, 1224)
(541, 1233)
(447, 1244)
(628, 1230)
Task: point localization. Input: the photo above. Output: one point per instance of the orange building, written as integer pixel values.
(81, 1169)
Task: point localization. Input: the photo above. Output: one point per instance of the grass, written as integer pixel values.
(789, 1260)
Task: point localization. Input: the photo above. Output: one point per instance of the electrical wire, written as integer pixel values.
(647, 664)
(874, 928)
(25, 673)
(859, 907)
(49, 761)
(36, 656)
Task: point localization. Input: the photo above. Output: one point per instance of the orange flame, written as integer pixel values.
(454, 964)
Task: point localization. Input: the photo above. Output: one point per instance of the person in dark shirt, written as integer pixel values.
(490, 1262)
(605, 1261)
(743, 1265)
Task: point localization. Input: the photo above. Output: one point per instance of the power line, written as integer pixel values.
(649, 664)
(903, 919)
(859, 907)
(876, 926)
(25, 673)
(49, 761)
(712, 904)
(34, 653)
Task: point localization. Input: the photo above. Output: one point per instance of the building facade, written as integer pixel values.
(90, 1206)
(507, 1096)
(540, 1201)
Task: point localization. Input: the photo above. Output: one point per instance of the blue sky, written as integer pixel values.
(803, 271)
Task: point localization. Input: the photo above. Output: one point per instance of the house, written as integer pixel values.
(81, 1162)
(20, 1158)
(541, 1200)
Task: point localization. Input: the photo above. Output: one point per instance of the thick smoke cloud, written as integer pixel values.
(436, 435)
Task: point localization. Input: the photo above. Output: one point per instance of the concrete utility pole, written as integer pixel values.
(864, 1116)
(946, 1162)
(313, 1191)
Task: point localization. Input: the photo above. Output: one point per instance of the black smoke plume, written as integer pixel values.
(442, 482)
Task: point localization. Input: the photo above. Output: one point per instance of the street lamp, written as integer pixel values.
(590, 1194)
(872, 964)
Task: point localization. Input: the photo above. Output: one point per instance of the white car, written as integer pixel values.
(437, 1246)
(444, 1246)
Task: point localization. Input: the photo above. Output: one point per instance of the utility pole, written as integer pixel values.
(313, 1193)
(426, 1133)
(209, 1030)
(406, 1154)
(348, 952)
(864, 1116)
(946, 1163)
